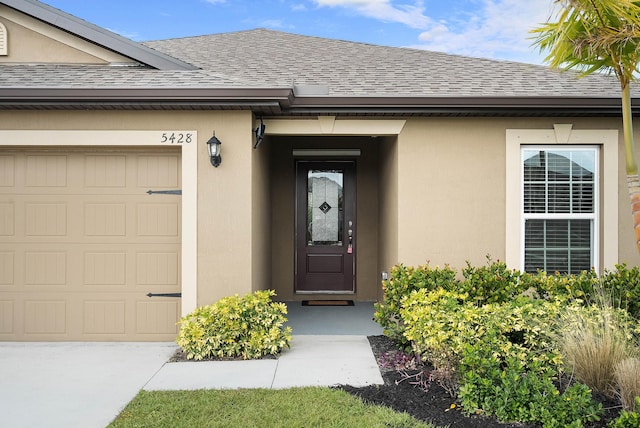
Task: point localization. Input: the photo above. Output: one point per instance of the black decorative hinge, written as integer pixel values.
(164, 294)
(164, 192)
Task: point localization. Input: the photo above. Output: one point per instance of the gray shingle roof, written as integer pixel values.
(358, 69)
(79, 76)
(259, 69)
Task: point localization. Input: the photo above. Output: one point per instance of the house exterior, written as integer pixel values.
(338, 160)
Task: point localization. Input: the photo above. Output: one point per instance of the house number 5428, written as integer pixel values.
(176, 138)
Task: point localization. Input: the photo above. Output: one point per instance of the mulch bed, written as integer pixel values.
(435, 405)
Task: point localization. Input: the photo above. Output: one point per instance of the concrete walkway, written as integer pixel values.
(311, 361)
(73, 384)
(87, 385)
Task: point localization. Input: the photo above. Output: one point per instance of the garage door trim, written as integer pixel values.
(134, 138)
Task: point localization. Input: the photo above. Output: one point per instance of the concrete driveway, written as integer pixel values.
(73, 384)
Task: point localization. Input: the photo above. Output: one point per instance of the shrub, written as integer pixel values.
(627, 379)
(493, 283)
(236, 327)
(511, 392)
(438, 324)
(442, 324)
(403, 280)
(623, 284)
(561, 286)
(593, 341)
(627, 419)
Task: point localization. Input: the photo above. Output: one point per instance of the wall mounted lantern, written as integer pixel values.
(214, 150)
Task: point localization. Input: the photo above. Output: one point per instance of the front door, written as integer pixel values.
(325, 227)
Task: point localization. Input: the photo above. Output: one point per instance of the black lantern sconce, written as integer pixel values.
(214, 150)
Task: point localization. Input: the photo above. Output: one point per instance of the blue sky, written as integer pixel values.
(481, 28)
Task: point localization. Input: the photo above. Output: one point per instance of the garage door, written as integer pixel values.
(82, 243)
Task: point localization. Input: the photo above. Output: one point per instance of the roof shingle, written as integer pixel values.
(275, 58)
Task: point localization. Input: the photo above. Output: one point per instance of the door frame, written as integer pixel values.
(349, 213)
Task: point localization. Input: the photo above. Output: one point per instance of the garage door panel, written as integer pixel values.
(158, 219)
(157, 317)
(45, 316)
(7, 170)
(105, 171)
(105, 268)
(82, 243)
(6, 317)
(45, 268)
(105, 219)
(7, 266)
(157, 268)
(7, 219)
(46, 171)
(46, 219)
(104, 317)
(158, 171)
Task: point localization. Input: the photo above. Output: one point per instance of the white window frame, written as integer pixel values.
(594, 216)
(606, 248)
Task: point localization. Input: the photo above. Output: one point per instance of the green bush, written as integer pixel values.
(623, 285)
(493, 283)
(439, 324)
(403, 280)
(236, 327)
(627, 419)
(563, 287)
(499, 333)
(512, 392)
(442, 324)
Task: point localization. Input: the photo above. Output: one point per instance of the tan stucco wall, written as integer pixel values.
(33, 42)
(283, 208)
(451, 188)
(388, 208)
(225, 214)
(436, 193)
(450, 191)
(261, 217)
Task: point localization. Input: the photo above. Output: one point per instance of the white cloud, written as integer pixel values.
(498, 29)
(486, 28)
(272, 23)
(411, 15)
(215, 1)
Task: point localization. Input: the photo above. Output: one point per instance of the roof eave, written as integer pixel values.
(145, 98)
(287, 103)
(463, 105)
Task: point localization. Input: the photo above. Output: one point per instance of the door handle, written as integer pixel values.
(350, 234)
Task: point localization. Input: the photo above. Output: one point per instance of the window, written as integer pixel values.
(559, 208)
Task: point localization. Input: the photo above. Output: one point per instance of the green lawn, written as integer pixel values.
(296, 407)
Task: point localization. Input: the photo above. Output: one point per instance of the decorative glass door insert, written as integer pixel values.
(325, 207)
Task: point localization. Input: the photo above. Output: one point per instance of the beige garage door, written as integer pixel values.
(82, 243)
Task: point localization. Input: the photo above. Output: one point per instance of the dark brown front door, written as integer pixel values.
(325, 227)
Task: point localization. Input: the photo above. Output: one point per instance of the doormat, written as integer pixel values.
(327, 303)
